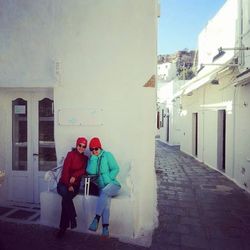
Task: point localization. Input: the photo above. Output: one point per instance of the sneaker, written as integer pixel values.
(105, 232)
(94, 225)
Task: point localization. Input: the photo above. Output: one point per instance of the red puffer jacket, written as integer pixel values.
(74, 166)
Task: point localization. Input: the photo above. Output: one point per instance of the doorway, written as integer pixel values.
(167, 123)
(221, 140)
(195, 134)
(32, 149)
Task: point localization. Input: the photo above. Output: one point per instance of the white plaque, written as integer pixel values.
(80, 117)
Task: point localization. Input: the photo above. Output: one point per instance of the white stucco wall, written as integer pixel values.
(242, 96)
(190, 105)
(220, 31)
(97, 55)
(172, 110)
(27, 58)
(175, 123)
(167, 86)
(242, 136)
(99, 70)
(208, 99)
(166, 71)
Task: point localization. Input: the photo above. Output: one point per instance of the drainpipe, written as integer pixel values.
(203, 122)
(241, 61)
(240, 34)
(234, 125)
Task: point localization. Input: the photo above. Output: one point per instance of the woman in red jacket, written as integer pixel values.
(74, 167)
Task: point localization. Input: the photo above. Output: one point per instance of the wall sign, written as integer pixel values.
(80, 117)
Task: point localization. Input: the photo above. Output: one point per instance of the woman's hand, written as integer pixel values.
(71, 189)
(72, 180)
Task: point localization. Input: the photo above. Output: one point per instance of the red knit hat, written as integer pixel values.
(81, 140)
(95, 143)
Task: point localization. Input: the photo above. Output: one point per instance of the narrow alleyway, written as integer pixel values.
(198, 207)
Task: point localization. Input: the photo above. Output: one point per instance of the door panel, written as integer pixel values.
(195, 134)
(221, 140)
(46, 154)
(20, 175)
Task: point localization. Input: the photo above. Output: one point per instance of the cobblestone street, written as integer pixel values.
(198, 207)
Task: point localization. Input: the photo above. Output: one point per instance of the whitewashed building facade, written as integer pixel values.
(78, 68)
(167, 109)
(214, 106)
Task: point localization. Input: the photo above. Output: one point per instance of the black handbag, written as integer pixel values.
(93, 187)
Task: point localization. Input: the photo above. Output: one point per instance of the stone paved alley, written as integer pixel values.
(199, 208)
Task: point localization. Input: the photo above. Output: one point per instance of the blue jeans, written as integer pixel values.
(104, 199)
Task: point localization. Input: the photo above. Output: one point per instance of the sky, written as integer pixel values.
(181, 21)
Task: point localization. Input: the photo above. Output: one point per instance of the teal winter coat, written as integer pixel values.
(108, 168)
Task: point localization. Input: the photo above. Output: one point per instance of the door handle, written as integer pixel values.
(35, 154)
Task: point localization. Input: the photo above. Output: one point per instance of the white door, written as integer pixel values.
(32, 149)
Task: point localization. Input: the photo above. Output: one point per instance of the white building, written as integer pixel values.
(215, 104)
(168, 111)
(78, 68)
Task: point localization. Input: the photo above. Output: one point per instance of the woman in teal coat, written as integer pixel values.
(104, 166)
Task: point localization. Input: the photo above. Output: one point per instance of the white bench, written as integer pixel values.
(121, 211)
